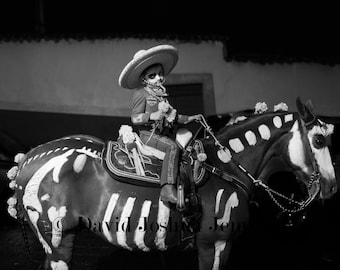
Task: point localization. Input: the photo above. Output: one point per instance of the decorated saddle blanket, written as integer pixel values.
(140, 168)
(132, 164)
(130, 160)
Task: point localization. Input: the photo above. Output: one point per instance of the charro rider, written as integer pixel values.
(151, 112)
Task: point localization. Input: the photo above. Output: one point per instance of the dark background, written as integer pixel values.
(264, 32)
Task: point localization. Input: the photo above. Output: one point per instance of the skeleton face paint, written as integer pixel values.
(153, 77)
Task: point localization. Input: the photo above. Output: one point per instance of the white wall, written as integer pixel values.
(81, 77)
(247, 83)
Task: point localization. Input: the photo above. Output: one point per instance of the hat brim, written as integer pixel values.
(165, 55)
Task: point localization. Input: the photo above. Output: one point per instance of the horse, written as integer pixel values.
(66, 183)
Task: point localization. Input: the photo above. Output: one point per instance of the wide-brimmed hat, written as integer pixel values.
(166, 55)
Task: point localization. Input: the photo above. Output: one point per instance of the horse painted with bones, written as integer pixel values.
(61, 182)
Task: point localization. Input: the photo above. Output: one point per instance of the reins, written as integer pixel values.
(298, 205)
(26, 242)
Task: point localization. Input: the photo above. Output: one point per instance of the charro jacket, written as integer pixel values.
(144, 103)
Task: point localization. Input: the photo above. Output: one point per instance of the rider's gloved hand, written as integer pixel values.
(158, 115)
(191, 118)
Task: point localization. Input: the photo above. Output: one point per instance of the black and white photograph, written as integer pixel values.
(169, 135)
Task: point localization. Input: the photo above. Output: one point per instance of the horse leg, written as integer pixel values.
(61, 256)
(213, 256)
(57, 243)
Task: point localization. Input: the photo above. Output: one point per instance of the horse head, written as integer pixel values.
(317, 167)
(251, 142)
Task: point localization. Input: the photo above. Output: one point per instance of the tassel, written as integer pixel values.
(180, 198)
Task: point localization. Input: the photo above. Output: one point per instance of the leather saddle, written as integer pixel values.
(141, 164)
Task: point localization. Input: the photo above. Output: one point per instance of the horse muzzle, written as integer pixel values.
(329, 187)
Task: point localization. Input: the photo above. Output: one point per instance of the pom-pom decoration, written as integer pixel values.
(127, 134)
(260, 107)
(281, 107)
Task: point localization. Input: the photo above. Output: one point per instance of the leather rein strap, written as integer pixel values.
(228, 177)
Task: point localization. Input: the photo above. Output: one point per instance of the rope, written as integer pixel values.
(204, 123)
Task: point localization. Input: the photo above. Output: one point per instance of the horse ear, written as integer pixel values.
(300, 106)
(309, 106)
(305, 111)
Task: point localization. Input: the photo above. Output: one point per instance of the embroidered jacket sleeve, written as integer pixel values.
(139, 115)
(182, 119)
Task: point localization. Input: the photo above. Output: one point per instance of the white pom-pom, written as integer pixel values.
(12, 184)
(12, 212)
(12, 173)
(330, 128)
(327, 129)
(260, 107)
(19, 157)
(202, 157)
(12, 201)
(281, 107)
(236, 120)
(124, 129)
(127, 134)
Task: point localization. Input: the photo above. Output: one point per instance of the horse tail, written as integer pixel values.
(12, 174)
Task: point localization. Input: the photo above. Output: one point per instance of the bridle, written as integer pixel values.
(313, 185)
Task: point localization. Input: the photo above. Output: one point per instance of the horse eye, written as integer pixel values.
(319, 141)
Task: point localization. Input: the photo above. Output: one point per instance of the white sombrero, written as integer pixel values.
(166, 55)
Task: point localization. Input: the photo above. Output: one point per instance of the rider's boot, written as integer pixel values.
(169, 193)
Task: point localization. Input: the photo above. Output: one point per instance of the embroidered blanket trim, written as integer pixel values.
(129, 172)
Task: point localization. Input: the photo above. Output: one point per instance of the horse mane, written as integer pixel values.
(240, 118)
